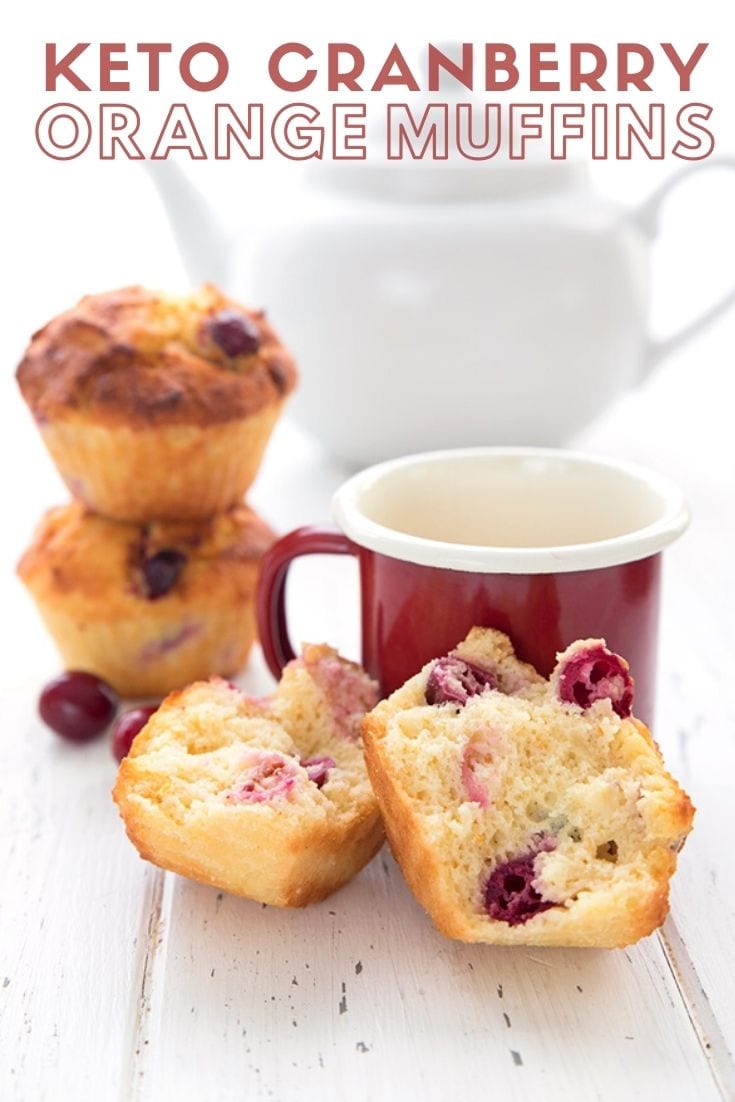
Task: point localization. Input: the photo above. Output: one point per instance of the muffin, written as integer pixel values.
(266, 798)
(155, 407)
(147, 607)
(524, 811)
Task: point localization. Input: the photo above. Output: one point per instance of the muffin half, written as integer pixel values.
(154, 406)
(263, 797)
(147, 607)
(524, 811)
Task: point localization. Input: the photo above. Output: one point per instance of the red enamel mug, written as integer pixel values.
(547, 545)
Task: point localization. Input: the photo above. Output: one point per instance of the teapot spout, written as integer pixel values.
(198, 234)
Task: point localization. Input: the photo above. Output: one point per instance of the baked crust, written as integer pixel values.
(137, 358)
(611, 914)
(284, 864)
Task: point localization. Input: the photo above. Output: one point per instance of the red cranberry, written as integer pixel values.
(452, 680)
(278, 375)
(127, 726)
(318, 769)
(161, 572)
(509, 892)
(268, 775)
(234, 333)
(474, 754)
(77, 705)
(595, 674)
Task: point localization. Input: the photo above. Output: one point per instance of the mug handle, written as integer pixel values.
(271, 596)
(647, 217)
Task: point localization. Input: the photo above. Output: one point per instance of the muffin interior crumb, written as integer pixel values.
(526, 805)
(205, 743)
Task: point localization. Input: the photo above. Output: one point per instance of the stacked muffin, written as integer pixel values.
(156, 411)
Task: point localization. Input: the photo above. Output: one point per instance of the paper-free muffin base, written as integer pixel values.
(152, 657)
(176, 472)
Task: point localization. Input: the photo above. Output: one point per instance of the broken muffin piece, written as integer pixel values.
(266, 798)
(526, 811)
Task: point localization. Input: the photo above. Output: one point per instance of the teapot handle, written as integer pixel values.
(647, 218)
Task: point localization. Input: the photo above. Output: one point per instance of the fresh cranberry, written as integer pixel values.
(452, 680)
(161, 572)
(127, 726)
(318, 769)
(77, 705)
(596, 674)
(509, 892)
(234, 333)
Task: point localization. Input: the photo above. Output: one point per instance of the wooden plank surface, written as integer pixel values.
(359, 997)
(73, 918)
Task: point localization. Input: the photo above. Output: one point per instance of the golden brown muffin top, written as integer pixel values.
(138, 357)
(76, 554)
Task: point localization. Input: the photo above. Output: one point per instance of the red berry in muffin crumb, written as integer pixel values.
(594, 674)
(509, 892)
(267, 775)
(473, 755)
(77, 705)
(318, 769)
(454, 681)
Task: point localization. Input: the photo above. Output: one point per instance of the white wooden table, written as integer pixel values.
(118, 981)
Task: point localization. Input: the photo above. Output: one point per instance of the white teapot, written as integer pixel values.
(435, 305)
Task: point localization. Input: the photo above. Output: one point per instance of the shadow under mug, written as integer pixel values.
(547, 545)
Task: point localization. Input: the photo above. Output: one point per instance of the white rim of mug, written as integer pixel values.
(566, 558)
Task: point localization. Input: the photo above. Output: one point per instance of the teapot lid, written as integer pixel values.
(451, 180)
